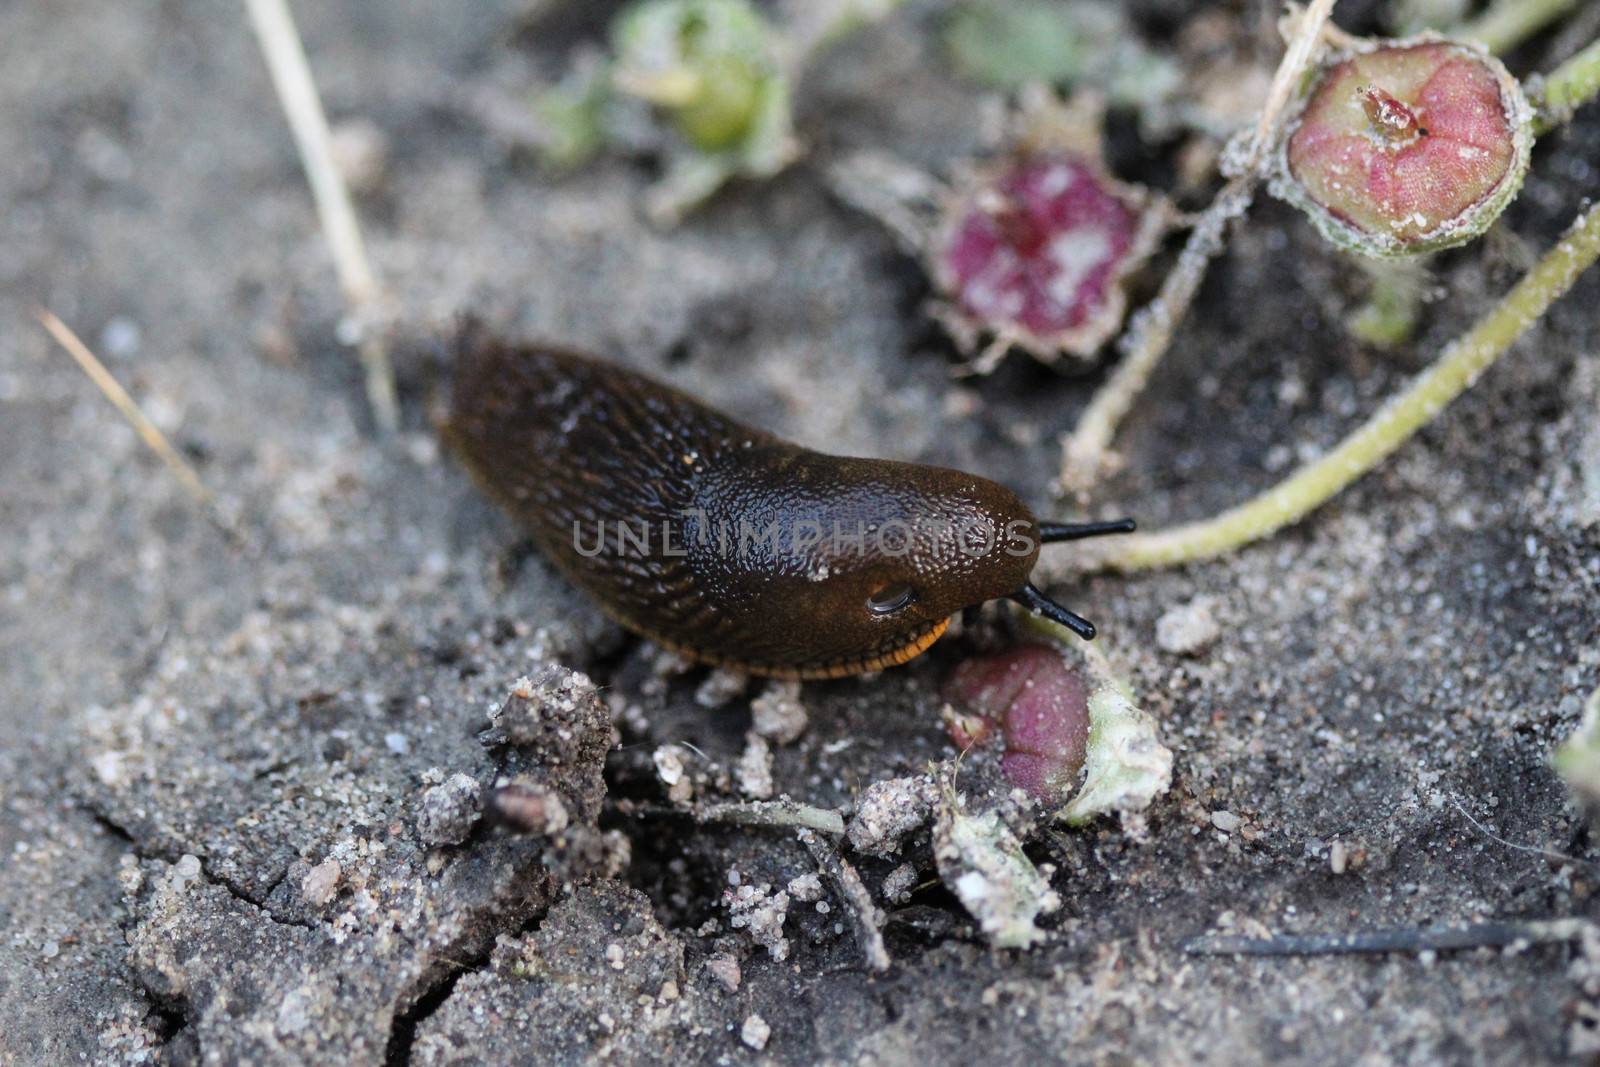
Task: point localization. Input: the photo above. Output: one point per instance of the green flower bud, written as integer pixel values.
(707, 63)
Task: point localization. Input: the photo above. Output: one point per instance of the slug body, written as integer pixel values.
(724, 542)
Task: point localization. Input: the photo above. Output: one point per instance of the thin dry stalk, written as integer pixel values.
(148, 431)
(1085, 450)
(297, 92)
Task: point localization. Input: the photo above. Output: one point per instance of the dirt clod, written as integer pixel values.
(447, 811)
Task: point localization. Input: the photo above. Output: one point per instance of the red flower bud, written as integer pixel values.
(1037, 704)
(1034, 253)
(1407, 147)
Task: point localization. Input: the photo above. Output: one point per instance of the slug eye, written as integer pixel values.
(891, 598)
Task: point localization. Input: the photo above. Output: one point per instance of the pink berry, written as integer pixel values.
(1408, 147)
(1040, 708)
(1035, 253)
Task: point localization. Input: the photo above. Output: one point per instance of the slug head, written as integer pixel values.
(871, 558)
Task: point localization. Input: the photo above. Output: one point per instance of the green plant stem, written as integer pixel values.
(1390, 427)
(1567, 88)
(1394, 302)
(1507, 23)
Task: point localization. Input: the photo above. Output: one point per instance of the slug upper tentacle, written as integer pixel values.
(724, 542)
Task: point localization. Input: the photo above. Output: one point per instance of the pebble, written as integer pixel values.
(805, 888)
(1187, 630)
(725, 969)
(898, 884)
(888, 810)
(754, 769)
(361, 154)
(720, 686)
(755, 1032)
(668, 760)
(447, 812)
(321, 883)
(777, 713)
(1226, 821)
(185, 872)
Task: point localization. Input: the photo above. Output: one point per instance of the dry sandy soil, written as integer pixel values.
(212, 763)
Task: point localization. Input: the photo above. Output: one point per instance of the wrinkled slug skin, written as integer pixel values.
(572, 446)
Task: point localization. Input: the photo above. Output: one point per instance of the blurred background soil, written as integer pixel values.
(189, 734)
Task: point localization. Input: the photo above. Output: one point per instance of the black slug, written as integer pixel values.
(728, 544)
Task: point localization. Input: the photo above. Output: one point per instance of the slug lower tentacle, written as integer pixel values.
(724, 542)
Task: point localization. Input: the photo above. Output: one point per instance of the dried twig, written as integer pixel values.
(297, 92)
(1150, 334)
(148, 431)
(773, 814)
(865, 916)
(1532, 850)
(780, 813)
(1413, 939)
